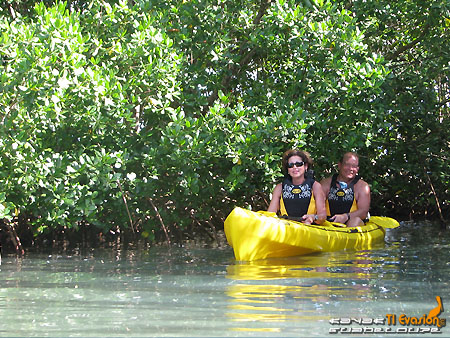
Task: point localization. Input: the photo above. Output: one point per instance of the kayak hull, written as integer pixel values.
(260, 235)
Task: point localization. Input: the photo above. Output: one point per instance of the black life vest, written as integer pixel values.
(341, 200)
(297, 200)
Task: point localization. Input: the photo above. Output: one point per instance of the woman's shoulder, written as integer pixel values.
(361, 185)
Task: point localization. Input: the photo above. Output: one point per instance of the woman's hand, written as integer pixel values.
(308, 219)
(320, 218)
(317, 219)
(340, 218)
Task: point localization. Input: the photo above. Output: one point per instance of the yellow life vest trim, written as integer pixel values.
(312, 205)
(354, 206)
(282, 208)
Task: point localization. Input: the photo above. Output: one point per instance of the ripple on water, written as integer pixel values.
(205, 292)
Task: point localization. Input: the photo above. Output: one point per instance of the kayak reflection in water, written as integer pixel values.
(299, 196)
(347, 195)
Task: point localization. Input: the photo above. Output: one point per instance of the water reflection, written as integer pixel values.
(298, 289)
(201, 292)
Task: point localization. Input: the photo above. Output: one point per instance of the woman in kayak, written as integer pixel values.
(347, 196)
(299, 196)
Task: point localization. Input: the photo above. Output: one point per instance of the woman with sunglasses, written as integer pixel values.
(299, 196)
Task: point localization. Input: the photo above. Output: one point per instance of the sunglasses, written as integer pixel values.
(297, 164)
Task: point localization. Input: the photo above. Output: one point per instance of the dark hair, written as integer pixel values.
(306, 157)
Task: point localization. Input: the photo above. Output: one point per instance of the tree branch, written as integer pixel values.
(436, 199)
(439, 105)
(158, 215)
(394, 55)
(15, 239)
(126, 205)
(262, 10)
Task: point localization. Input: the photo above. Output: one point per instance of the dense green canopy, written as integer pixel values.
(161, 116)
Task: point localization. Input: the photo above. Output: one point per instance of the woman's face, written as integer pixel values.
(348, 169)
(296, 166)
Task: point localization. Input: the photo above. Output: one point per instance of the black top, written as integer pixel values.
(296, 198)
(340, 200)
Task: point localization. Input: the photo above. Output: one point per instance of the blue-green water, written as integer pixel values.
(194, 292)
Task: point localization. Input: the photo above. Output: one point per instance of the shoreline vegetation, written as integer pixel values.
(87, 236)
(90, 237)
(155, 119)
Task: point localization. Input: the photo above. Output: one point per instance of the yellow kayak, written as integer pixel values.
(259, 235)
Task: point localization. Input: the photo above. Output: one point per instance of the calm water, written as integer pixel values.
(195, 292)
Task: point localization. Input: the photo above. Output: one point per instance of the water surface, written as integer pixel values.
(195, 292)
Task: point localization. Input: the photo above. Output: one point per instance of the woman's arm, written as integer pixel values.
(319, 197)
(275, 202)
(362, 196)
(321, 213)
